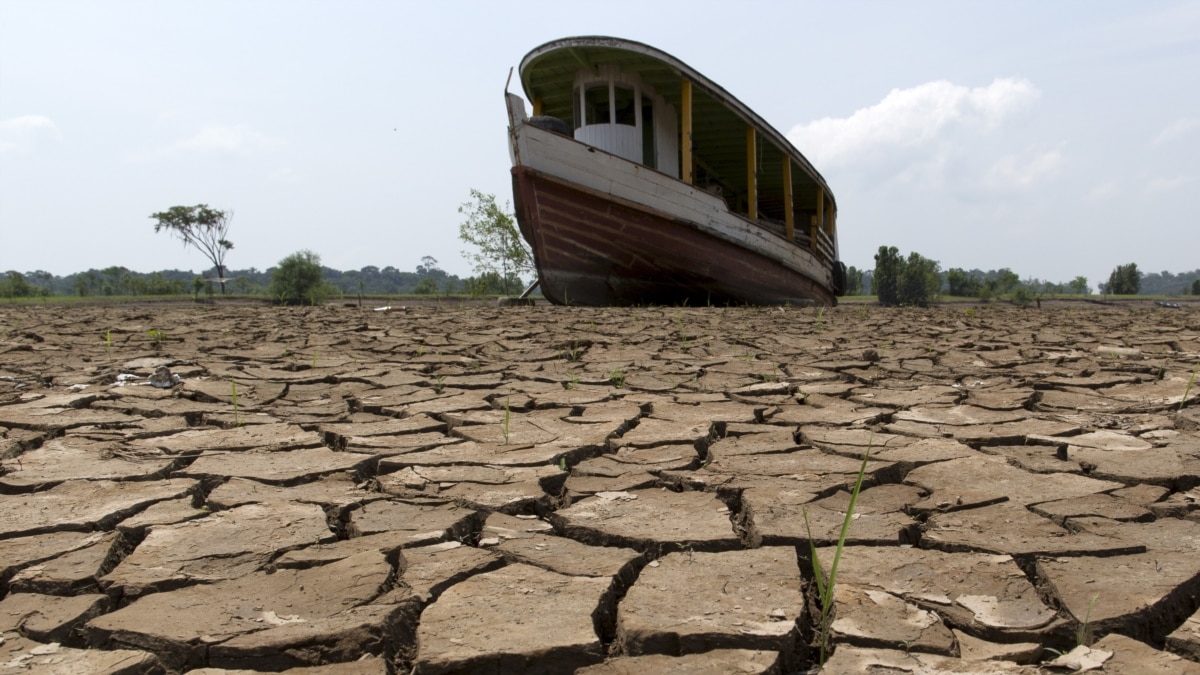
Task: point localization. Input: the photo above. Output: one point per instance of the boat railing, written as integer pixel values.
(824, 248)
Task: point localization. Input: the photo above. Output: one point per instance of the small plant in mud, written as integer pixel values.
(108, 342)
(439, 385)
(1083, 636)
(237, 421)
(507, 420)
(156, 337)
(825, 585)
(684, 340)
(1187, 390)
(572, 355)
(820, 319)
(616, 378)
(314, 361)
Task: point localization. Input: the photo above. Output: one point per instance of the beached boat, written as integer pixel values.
(636, 180)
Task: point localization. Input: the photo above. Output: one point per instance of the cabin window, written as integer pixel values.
(648, 155)
(625, 104)
(596, 104)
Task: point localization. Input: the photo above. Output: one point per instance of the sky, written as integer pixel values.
(1057, 139)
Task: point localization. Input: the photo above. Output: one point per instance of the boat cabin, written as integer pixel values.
(641, 104)
(619, 113)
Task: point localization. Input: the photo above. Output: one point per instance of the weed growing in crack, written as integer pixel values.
(684, 340)
(108, 342)
(1082, 638)
(439, 385)
(1083, 633)
(1188, 389)
(156, 337)
(821, 319)
(616, 378)
(572, 355)
(825, 587)
(507, 420)
(314, 361)
(237, 420)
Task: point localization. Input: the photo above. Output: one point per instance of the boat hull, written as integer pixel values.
(592, 249)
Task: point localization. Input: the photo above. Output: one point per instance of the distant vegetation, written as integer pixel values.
(918, 281)
(120, 281)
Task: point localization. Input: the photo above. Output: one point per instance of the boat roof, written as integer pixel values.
(548, 73)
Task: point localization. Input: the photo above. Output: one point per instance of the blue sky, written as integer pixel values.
(1055, 138)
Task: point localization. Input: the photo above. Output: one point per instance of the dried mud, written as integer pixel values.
(468, 489)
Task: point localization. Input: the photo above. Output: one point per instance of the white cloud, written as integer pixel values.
(220, 139)
(217, 139)
(1157, 186)
(912, 120)
(1102, 191)
(22, 133)
(1021, 171)
(1177, 129)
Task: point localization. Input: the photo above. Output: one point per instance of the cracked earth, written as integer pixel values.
(467, 489)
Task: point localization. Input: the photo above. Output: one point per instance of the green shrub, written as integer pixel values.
(297, 280)
(915, 281)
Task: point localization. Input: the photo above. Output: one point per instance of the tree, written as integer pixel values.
(854, 281)
(962, 284)
(886, 281)
(1196, 287)
(202, 228)
(1124, 280)
(915, 281)
(429, 267)
(920, 281)
(1079, 285)
(493, 231)
(297, 280)
(14, 285)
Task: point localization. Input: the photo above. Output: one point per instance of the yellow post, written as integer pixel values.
(819, 222)
(752, 173)
(537, 106)
(789, 215)
(685, 135)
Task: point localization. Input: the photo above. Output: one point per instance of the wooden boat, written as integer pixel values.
(639, 181)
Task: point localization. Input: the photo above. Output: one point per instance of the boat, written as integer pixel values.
(638, 181)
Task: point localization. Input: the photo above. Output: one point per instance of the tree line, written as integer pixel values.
(918, 281)
(502, 261)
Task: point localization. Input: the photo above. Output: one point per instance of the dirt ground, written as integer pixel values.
(460, 488)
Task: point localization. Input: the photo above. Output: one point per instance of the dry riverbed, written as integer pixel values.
(449, 489)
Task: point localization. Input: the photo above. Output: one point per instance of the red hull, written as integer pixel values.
(591, 250)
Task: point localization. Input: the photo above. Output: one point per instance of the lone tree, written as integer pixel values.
(298, 280)
(203, 228)
(1124, 280)
(915, 281)
(494, 232)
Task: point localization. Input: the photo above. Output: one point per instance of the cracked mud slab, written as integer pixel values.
(748, 599)
(518, 619)
(650, 520)
(184, 627)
